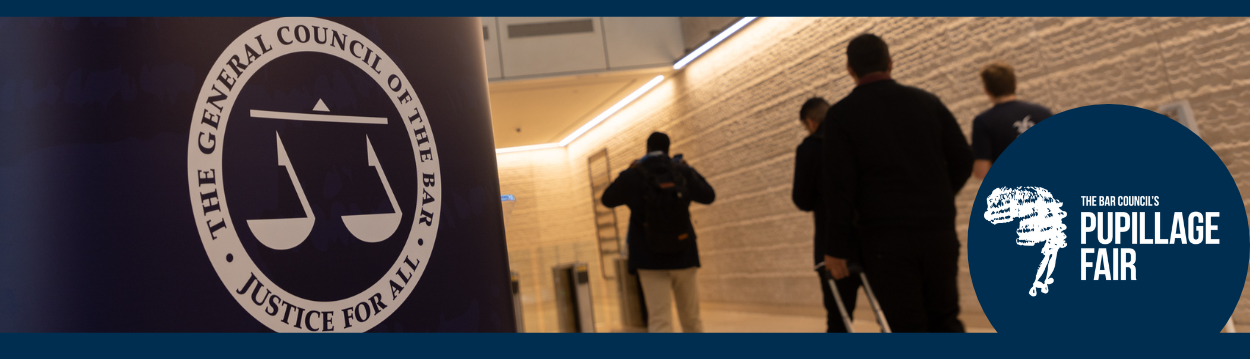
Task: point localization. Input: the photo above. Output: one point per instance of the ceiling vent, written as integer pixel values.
(550, 28)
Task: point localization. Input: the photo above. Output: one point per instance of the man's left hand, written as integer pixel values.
(837, 267)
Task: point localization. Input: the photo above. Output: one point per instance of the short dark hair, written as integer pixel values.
(999, 79)
(868, 53)
(814, 108)
(658, 141)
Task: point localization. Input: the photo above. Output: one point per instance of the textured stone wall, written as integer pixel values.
(733, 113)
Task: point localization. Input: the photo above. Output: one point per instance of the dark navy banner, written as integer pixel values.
(292, 174)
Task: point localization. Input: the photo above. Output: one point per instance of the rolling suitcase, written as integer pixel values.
(872, 298)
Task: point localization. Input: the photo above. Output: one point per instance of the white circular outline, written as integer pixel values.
(238, 271)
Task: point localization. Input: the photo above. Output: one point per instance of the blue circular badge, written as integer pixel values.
(1108, 218)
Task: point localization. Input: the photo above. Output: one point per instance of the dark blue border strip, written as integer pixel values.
(625, 8)
(631, 346)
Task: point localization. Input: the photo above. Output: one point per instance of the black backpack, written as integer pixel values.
(667, 203)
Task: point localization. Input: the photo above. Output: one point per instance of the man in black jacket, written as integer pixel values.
(807, 196)
(895, 157)
(665, 273)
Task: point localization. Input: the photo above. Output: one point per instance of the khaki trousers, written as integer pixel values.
(658, 289)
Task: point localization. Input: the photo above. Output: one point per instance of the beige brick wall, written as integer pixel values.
(733, 114)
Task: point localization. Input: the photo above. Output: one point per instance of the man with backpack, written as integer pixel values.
(661, 239)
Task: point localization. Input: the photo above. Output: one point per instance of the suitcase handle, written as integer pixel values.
(837, 297)
(872, 298)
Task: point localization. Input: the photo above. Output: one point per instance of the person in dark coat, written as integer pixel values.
(664, 275)
(894, 159)
(806, 194)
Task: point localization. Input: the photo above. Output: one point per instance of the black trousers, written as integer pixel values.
(913, 273)
(849, 288)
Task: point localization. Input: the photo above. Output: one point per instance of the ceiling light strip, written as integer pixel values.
(593, 122)
(526, 148)
(712, 43)
(637, 93)
(612, 110)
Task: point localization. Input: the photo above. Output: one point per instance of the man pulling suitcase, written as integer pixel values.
(838, 297)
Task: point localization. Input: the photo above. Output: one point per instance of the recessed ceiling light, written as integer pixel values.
(712, 43)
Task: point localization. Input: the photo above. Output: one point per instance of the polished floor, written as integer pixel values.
(749, 318)
(731, 318)
(738, 318)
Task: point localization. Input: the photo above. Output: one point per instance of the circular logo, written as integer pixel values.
(318, 208)
(1108, 219)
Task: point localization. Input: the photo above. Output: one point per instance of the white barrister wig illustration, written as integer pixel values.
(1041, 220)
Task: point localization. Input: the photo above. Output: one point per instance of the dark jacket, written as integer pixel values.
(806, 192)
(895, 157)
(628, 189)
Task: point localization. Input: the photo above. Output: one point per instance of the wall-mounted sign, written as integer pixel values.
(1180, 112)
